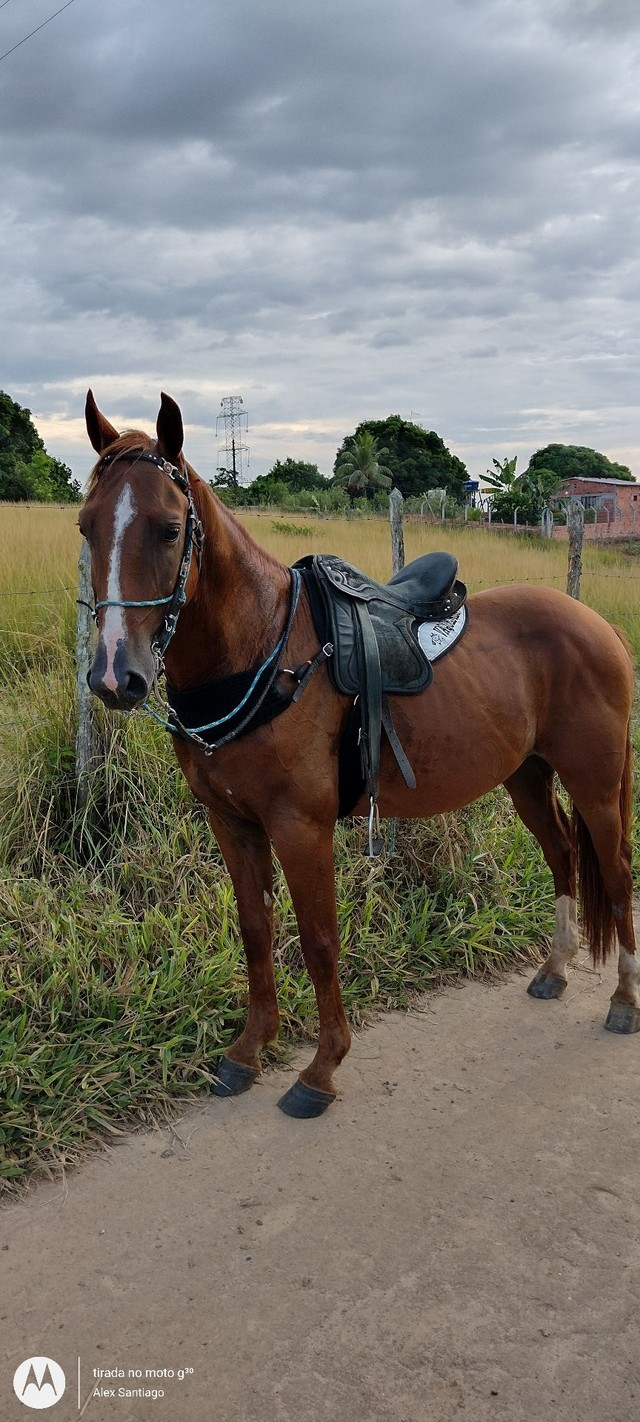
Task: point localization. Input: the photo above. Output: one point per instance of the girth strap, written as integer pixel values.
(394, 741)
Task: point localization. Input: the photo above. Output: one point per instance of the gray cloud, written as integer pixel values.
(332, 213)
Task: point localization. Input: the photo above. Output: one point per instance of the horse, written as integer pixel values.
(539, 686)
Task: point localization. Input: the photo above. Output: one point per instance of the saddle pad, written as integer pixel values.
(436, 638)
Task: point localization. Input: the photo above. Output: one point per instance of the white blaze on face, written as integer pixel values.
(113, 628)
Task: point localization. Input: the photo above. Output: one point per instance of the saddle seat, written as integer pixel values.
(372, 630)
(422, 588)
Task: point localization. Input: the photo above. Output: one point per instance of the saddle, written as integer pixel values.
(376, 652)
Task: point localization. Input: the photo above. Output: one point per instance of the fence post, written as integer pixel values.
(397, 537)
(575, 530)
(87, 743)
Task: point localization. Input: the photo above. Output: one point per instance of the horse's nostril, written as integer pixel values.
(135, 688)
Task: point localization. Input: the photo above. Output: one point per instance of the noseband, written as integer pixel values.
(194, 538)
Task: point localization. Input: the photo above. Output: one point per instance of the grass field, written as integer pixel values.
(40, 549)
(121, 972)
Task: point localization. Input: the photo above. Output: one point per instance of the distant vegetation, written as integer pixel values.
(379, 454)
(393, 451)
(27, 473)
(525, 494)
(416, 459)
(577, 461)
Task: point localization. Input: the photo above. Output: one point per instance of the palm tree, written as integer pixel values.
(360, 469)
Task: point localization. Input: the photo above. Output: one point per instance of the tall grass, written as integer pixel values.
(121, 971)
(40, 546)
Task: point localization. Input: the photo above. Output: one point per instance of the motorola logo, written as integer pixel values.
(39, 1382)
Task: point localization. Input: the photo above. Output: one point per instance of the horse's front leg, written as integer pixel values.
(246, 851)
(305, 852)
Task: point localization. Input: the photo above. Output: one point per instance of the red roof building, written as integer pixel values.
(615, 504)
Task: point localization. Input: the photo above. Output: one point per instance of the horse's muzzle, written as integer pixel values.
(121, 687)
(127, 694)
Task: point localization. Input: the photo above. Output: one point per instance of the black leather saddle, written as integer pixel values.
(372, 628)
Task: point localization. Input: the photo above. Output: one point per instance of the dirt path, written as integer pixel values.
(457, 1238)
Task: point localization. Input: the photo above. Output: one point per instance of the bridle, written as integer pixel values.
(193, 539)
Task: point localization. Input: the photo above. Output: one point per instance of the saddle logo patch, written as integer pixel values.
(39, 1382)
(436, 638)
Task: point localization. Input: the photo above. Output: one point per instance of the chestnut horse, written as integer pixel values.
(539, 684)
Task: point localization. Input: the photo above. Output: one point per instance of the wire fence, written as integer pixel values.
(87, 748)
(35, 592)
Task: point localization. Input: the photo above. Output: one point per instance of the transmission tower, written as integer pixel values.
(231, 426)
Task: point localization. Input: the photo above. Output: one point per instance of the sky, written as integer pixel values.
(337, 211)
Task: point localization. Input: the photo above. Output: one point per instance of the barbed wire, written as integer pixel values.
(547, 579)
(34, 592)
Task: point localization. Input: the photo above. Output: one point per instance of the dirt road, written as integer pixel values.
(457, 1238)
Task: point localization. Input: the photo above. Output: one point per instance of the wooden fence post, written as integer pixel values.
(87, 740)
(397, 537)
(575, 530)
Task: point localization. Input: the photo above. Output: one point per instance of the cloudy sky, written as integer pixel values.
(337, 211)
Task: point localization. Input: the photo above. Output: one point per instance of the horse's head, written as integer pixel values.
(138, 519)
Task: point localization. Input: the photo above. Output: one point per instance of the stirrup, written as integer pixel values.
(376, 841)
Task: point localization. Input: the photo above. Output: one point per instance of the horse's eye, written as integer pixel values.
(171, 534)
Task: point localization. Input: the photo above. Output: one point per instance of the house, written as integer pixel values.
(615, 502)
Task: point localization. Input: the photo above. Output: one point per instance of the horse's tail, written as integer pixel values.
(598, 922)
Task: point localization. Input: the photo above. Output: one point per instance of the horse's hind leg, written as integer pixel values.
(534, 797)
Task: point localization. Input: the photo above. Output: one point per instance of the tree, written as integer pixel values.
(360, 468)
(295, 476)
(527, 493)
(27, 472)
(298, 475)
(417, 459)
(504, 474)
(225, 479)
(577, 461)
(66, 489)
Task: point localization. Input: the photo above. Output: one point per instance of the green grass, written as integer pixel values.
(122, 975)
(122, 971)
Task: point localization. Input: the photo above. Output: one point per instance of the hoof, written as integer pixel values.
(546, 985)
(623, 1017)
(232, 1078)
(303, 1101)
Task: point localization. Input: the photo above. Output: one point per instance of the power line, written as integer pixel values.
(33, 32)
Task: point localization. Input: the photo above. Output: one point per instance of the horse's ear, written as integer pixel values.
(100, 432)
(169, 429)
